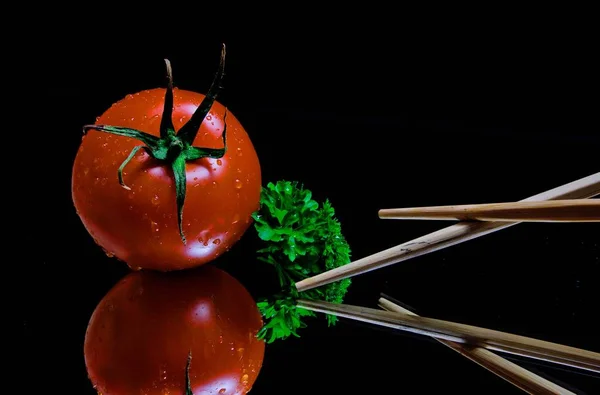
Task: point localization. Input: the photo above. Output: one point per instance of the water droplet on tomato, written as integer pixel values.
(103, 182)
(155, 200)
(244, 379)
(86, 171)
(239, 151)
(208, 117)
(104, 145)
(221, 339)
(130, 96)
(181, 119)
(97, 180)
(217, 241)
(222, 391)
(97, 119)
(132, 118)
(238, 184)
(214, 183)
(109, 254)
(155, 226)
(195, 178)
(219, 162)
(236, 219)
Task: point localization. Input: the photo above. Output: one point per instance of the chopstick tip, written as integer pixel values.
(383, 213)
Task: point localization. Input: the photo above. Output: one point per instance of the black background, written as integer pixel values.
(407, 118)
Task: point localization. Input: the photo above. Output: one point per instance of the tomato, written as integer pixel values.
(141, 333)
(138, 219)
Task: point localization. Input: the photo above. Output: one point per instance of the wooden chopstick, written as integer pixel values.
(511, 372)
(574, 210)
(461, 333)
(458, 233)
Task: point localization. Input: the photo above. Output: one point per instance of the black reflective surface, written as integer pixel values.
(368, 124)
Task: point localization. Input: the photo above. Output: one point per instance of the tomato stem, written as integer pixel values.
(174, 148)
(188, 382)
(189, 131)
(166, 123)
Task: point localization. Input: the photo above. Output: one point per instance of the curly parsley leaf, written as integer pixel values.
(302, 238)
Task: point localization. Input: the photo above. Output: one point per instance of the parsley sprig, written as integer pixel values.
(302, 238)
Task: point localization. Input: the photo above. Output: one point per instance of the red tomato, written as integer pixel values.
(141, 333)
(138, 222)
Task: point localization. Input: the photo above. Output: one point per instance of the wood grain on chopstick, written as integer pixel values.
(461, 333)
(573, 210)
(511, 372)
(463, 231)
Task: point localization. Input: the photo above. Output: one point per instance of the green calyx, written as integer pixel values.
(174, 148)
